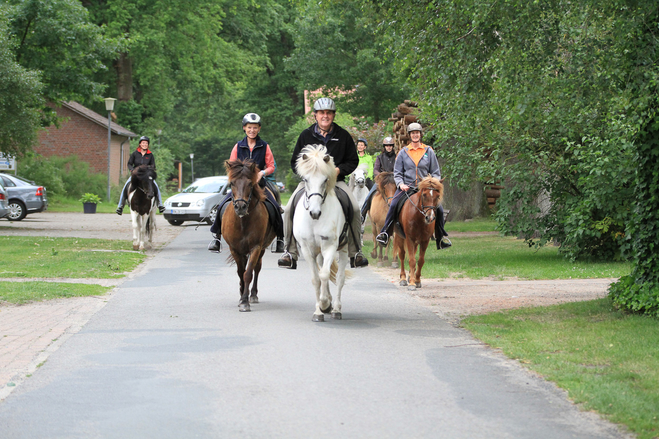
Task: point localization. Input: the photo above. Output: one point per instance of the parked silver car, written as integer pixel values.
(4, 207)
(197, 202)
(23, 197)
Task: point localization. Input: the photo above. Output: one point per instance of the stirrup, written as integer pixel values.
(120, 210)
(382, 238)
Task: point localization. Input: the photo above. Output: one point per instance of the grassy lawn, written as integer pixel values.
(25, 256)
(23, 292)
(472, 225)
(61, 204)
(606, 360)
(506, 257)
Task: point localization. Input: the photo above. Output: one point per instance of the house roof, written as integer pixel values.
(97, 118)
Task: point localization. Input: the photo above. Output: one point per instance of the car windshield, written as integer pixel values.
(206, 186)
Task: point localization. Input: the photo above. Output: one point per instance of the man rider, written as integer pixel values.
(142, 156)
(341, 147)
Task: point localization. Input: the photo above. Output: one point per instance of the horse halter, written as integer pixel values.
(235, 201)
(308, 196)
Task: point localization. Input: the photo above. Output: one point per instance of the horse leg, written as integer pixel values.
(324, 261)
(143, 220)
(419, 265)
(248, 275)
(315, 281)
(253, 298)
(135, 219)
(374, 253)
(411, 258)
(399, 247)
(340, 281)
(241, 262)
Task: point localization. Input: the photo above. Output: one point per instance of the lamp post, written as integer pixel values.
(192, 167)
(109, 106)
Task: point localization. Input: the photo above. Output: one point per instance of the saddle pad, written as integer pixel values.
(273, 212)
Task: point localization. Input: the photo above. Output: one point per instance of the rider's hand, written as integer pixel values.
(404, 187)
(261, 175)
(338, 171)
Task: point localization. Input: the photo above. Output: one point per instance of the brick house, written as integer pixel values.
(85, 134)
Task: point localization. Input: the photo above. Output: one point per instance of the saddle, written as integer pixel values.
(399, 206)
(274, 215)
(346, 205)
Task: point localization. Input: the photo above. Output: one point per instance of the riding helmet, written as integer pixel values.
(388, 141)
(251, 118)
(361, 139)
(324, 104)
(414, 127)
(145, 138)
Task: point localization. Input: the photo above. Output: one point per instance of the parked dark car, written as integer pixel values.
(23, 197)
(281, 186)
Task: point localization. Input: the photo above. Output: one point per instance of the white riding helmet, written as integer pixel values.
(324, 104)
(251, 118)
(388, 141)
(414, 127)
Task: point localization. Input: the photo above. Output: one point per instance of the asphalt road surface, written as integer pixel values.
(170, 356)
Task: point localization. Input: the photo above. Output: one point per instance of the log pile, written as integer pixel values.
(492, 193)
(406, 113)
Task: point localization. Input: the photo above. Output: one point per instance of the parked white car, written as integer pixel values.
(197, 202)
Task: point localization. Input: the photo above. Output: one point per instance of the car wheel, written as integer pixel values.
(211, 216)
(175, 222)
(17, 211)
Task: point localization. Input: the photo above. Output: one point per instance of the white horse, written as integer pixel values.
(357, 185)
(317, 225)
(142, 202)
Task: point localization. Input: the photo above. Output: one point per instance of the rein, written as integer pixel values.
(423, 209)
(235, 201)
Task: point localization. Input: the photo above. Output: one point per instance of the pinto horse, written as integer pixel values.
(143, 205)
(417, 219)
(378, 213)
(318, 226)
(246, 227)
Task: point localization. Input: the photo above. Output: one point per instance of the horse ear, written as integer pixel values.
(305, 157)
(227, 165)
(442, 180)
(326, 159)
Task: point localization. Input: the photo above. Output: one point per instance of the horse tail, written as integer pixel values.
(335, 269)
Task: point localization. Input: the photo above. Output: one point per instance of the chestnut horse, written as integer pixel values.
(417, 219)
(378, 212)
(246, 227)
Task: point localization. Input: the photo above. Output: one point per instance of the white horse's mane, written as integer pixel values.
(312, 160)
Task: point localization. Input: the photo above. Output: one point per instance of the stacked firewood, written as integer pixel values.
(406, 113)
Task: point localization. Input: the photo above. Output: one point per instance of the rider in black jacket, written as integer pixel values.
(142, 156)
(383, 163)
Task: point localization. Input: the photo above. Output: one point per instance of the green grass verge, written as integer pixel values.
(473, 225)
(25, 256)
(23, 292)
(506, 257)
(606, 360)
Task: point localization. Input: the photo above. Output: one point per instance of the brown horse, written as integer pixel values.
(378, 212)
(246, 227)
(417, 219)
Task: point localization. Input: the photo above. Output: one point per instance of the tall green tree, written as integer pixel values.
(549, 98)
(337, 50)
(20, 96)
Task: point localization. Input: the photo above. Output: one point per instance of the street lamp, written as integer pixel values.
(109, 106)
(192, 166)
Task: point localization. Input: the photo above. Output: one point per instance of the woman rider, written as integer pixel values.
(252, 147)
(383, 163)
(140, 157)
(365, 161)
(413, 163)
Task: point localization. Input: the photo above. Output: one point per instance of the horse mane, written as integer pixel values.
(237, 169)
(383, 179)
(142, 172)
(313, 159)
(433, 184)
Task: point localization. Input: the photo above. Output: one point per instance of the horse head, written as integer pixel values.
(142, 178)
(318, 172)
(359, 177)
(431, 193)
(243, 179)
(386, 185)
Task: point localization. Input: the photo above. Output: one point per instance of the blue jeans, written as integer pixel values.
(367, 202)
(122, 197)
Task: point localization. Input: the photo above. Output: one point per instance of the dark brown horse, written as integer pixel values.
(417, 219)
(246, 227)
(142, 202)
(378, 212)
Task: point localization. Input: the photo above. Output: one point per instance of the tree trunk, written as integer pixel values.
(124, 68)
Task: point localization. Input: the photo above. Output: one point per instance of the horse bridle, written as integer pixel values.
(236, 200)
(307, 196)
(423, 209)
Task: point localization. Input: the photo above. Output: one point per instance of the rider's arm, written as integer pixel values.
(399, 169)
(376, 167)
(269, 161)
(234, 153)
(131, 162)
(434, 165)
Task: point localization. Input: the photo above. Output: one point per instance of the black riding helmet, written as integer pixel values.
(145, 138)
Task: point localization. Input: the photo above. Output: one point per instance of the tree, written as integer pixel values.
(20, 97)
(550, 98)
(336, 51)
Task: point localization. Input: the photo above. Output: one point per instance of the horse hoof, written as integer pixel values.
(135, 247)
(337, 316)
(318, 318)
(418, 284)
(254, 299)
(411, 288)
(394, 265)
(380, 264)
(374, 254)
(403, 283)
(244, 307)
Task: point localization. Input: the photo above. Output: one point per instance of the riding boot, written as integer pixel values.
(215, 245)
(383, 237)
(287, 261)
(120, 210)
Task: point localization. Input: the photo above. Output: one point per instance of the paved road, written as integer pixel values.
(170, 356)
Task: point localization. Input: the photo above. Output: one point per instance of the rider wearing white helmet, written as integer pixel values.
(413, 164)
(341, 147)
